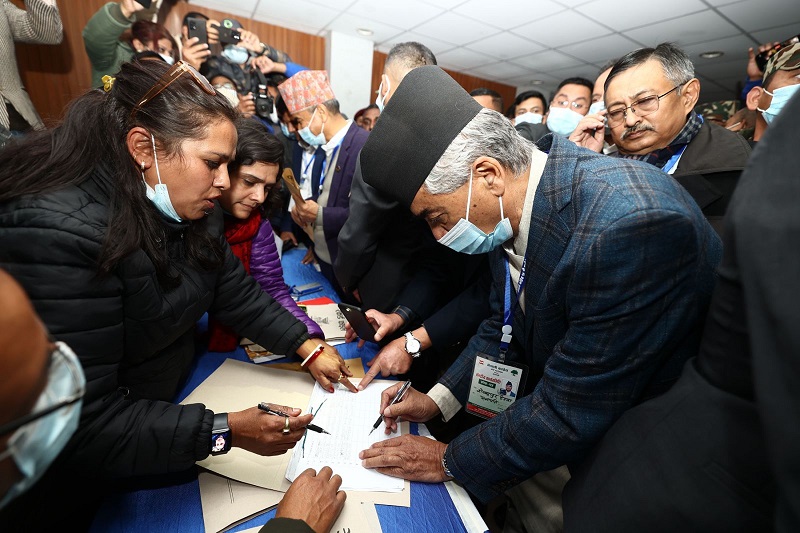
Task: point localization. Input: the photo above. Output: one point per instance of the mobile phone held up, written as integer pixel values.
(197, 28)
(359, 321)
(229, 35)
(145, 3)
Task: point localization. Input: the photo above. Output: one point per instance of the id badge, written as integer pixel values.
(495, 386)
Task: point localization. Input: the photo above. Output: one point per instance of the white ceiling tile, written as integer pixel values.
(505, 46)
(622, 15)
(720, 70)
(572, 3)
(734, 48)
(463, 59)
(240, 9)
(347, 23)
(446, 4)
(602, 49)
(762, 14)
(435, 45)
(456, 29)
(690, 29)
(500, 71)
(781, 33)
(561, 29)
(405, 14)
(579, 71)
(546, 61)
(717, 3)
(296, 12)
(339, 5)
(507, 14)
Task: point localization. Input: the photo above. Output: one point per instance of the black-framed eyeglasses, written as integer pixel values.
(175, 72)
(640, 108)
(58, 355)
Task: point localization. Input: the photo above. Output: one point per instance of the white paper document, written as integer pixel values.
(349, 419)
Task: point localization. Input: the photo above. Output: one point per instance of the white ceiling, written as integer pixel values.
(518, 41)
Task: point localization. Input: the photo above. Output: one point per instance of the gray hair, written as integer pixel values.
(408, 56)
(488, 134)
(678, 68)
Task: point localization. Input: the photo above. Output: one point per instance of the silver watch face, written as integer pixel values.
(412, 345)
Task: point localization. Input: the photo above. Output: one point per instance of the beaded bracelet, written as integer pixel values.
(313, 355)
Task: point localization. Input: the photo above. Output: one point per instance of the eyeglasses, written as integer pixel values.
(640, 108)
(577, 106)
(175, 72)
(58, 355)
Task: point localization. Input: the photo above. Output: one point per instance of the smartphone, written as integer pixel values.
(229, 35)
(197, 28)
(145, 3)
(359, 321)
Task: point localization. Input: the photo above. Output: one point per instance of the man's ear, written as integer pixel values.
(753, 96)
(140, 146)
(690, 94)
(492, 173)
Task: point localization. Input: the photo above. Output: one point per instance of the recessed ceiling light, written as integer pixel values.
(536, 82)
(712, 55)
(365, 31)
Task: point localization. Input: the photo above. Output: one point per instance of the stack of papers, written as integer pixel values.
(257, 353)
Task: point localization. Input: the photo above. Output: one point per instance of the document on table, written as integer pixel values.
(227, 503)
(349, 419)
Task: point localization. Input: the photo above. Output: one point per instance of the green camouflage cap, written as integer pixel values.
(785, 59)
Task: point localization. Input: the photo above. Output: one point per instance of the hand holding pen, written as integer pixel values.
(286, 429)
(412, 405)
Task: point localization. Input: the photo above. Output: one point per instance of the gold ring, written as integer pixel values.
(286, 426)
(341, 376)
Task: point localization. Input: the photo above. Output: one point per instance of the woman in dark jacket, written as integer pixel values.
(254, 189)
(109, 223)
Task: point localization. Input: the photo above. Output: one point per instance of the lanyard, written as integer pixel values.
(324, 166)
(674, 160)
(305, 169)
(508, 315)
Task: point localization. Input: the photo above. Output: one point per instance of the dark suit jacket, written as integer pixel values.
(379, 247)
(287, 223)
(335, 213)
(622, 268)
(718, 452)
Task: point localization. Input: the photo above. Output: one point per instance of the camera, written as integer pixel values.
(261, 97)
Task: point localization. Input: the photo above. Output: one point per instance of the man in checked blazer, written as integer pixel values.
(619, 270)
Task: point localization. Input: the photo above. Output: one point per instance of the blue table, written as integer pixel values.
(176, 506)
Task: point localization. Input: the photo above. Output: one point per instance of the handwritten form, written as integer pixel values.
(349, 419)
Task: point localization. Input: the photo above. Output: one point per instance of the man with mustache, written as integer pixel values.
(650, 96)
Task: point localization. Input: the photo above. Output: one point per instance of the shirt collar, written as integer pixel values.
(337, 139)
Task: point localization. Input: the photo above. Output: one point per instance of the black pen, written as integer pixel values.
(396, 399)
(264, 407)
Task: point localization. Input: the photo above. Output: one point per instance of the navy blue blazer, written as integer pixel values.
(335, 213)
(621, 268)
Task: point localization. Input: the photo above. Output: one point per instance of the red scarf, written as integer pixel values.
(239, 234)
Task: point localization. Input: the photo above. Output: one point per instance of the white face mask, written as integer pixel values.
(168, 58)
(562, 120)
(381, 98)
(532, 118)
(597, 107)
(229, 93)
(160, 196)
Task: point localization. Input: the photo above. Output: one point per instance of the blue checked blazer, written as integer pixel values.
(621, 268)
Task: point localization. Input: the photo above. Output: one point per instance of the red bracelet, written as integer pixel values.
(310, 359)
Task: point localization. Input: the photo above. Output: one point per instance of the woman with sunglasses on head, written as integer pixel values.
(253, 196)
(109, 222)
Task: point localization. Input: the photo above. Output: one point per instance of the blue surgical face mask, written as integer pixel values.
(532, 118)
(285, 131)
(562, 120)
(168, 58)
(380, 100)
(34, 446)
(597, 107)
(779, 99)
(467, 238)
(160, 196)
(310, 138)
(236, 54)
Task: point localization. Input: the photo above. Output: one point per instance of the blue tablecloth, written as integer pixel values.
(175, 505)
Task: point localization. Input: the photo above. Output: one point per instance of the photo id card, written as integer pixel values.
(495, 386)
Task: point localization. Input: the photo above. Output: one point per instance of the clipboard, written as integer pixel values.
(294, 190)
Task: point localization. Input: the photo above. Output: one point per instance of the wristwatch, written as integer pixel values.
(220, 435)
(444, 466)
(413, 346)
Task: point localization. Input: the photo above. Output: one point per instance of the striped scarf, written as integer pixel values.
(660, 157)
